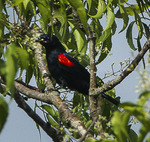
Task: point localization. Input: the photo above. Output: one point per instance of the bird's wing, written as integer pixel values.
(72, 67)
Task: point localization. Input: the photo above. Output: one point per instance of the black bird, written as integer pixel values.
(65, 69)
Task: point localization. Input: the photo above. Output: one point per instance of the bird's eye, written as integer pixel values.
(44, 41)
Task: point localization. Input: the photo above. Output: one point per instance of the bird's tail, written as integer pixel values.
(109, 98)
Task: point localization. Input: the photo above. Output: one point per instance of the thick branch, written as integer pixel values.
(42, 65)
(92, 59)
(31, 93)
(92, 99)
(111, 84)
(95, 101)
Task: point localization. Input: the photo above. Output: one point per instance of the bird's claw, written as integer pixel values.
(53, 89)
(46, 75)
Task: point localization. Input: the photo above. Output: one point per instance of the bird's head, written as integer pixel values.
(50, 42)
(45, 40)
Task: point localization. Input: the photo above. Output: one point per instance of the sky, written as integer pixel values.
(21, 128)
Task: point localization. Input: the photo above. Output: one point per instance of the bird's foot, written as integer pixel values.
(25, 98)
(52, 89)
(46, 75)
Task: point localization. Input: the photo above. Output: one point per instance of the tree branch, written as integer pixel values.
(91, 39)
(111, 84)
(45, 126)
(31, 93)
(23, 105)
(94, 100)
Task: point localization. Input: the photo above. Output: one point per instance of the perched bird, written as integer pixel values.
(65, 69)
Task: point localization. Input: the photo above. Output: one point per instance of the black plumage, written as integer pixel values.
(65, 69)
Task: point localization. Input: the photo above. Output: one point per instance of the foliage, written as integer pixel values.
(4, 111)
(69, 20)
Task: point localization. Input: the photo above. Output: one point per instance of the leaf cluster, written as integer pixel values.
(70, 21)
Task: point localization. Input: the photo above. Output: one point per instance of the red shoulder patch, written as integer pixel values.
(64, 60)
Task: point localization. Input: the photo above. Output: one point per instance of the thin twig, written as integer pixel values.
(111, 84)
(91, 125)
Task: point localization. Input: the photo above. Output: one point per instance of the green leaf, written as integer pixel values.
(79, 38)
(124, 16)
(23, 57)
(61, 16)
(90, 140)
(139, 25)
(53, 113)
(52, 122)
(17, 2)
(11, 67)
(2, 23)
(147, 33)
(142, 134)
(133, 135)
(110, 18)
(104, 36)
(49, 109)
(45, 11)
(37, 125)
(107, 30)
(76, 100)
(25, 3)
(148, 139)
(143, 98)
(120, 125)
(1, 5)
(88, 123)
(79, 7)
(29, 74)
(101, 8)
(3, 112)
(139, 44)
(139, 112)
(2, 67)
(132, 9)
(122, 2)
(114, 27)
(39, 78)
(139, 49)
(91, 7)
(129, 36)
(30, 11)
(16, 57)
(84, 60)
(30, 69)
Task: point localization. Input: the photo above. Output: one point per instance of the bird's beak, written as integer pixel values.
(39, 39)
(44, 38)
